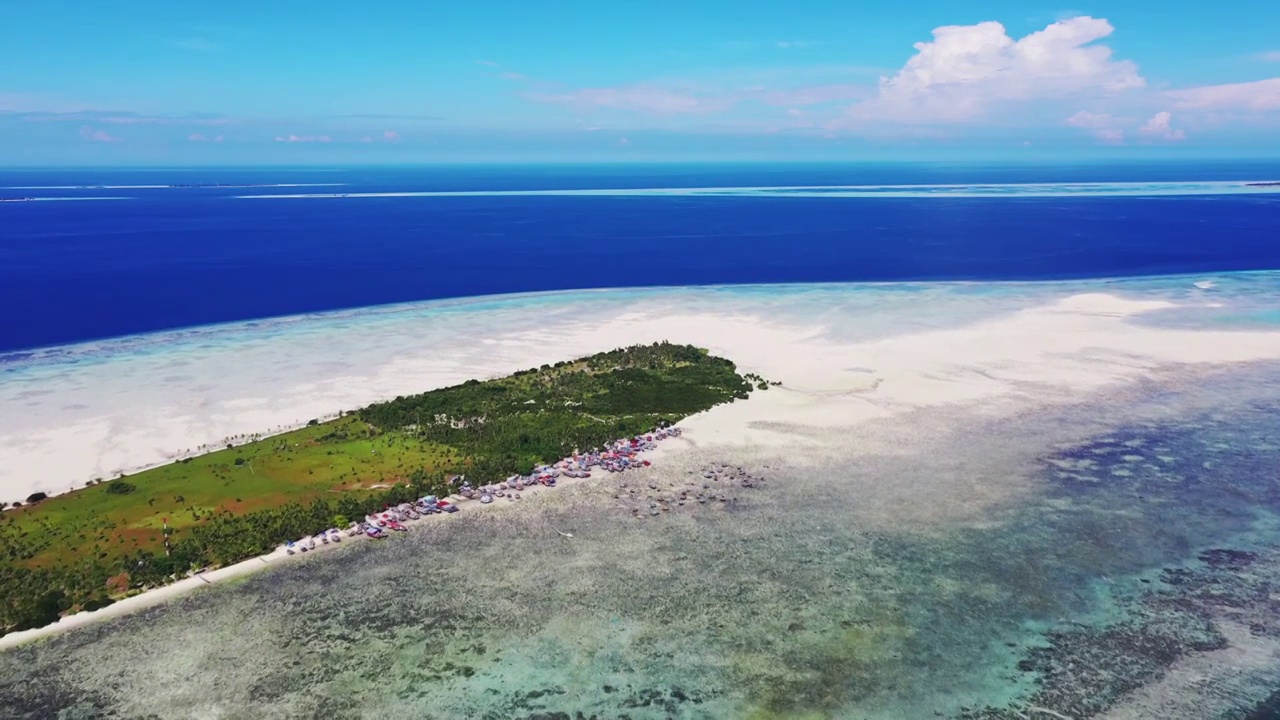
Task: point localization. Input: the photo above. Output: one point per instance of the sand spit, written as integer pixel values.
(896, 569)
(857, 392)
(880, 353)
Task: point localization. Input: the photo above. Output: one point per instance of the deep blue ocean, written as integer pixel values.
(181, 256)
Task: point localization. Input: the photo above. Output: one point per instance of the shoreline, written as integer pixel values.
(83, 363)
(199, 580)
(1045, 354)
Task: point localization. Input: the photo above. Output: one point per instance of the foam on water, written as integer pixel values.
(58, 199)
(1010, 190)
(167, 187)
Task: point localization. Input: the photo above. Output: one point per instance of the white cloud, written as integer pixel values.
(1272, 56)
(1086, 119)
(968, 70)
(197, 137)
(1263, 95)
(391, 136)
(1160, 127)
(93, 135)
(304, 138)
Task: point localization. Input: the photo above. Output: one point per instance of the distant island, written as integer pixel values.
(1270, 183)
(114, 538)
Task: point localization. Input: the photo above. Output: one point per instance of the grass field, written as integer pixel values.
(98, 542)
(296, 466)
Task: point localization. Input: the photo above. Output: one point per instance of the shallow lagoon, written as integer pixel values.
(1090, 559)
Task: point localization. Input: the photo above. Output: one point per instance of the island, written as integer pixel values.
(112, 539)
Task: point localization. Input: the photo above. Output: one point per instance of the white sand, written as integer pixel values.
(65, 424)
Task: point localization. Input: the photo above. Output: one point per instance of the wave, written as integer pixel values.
(1111, 189)
(180, 186)
(57, 199)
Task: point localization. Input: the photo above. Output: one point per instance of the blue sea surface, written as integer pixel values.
(171, 257)
(1096, 531)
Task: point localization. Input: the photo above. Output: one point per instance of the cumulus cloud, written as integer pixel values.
(1272, 56)
(93, 135)
(197, 137)
(304, 138)
(968, 70)
(1103, 127)
(1086, 119)
(1260, 96)
(1160, 127)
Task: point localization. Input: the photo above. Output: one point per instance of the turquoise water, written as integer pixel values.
(1247, 300)
(1058, 562)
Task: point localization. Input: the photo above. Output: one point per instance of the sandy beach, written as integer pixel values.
(1056, 351)
(919, 419)
(128, 405)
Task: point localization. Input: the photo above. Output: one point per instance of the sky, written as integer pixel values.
(122, 82)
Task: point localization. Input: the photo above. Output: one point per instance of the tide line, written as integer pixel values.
(1002, 190)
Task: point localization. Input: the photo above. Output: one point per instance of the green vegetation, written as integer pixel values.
(86, 548)
(758, 382)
